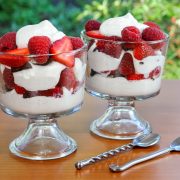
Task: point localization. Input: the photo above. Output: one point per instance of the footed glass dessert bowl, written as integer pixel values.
(122, 72)
(41, 88)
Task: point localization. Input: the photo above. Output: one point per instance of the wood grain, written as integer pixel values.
(163, 112)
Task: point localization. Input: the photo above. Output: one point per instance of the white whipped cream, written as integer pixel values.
(79, 70)
(149, 64)
(44, 28)
(42, 104)
(114, 26)
(121, 87)
(39, 77)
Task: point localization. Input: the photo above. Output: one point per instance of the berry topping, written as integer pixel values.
(39, 45)
(155, 73)
(126, 66)
(152, 34)
(67, 79)
(8, 41)
(142, 50)
(15, 58)
(61, 48)
(131, 34)
(152, 24)
(76, 42)
(135, 77)
(8, 78)
(92, 25)
(95, 34)
(109, 47)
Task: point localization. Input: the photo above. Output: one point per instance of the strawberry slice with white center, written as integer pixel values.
(15, 58)
(61, 49)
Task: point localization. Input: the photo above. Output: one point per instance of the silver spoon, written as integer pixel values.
(175, 146)
(141, 141)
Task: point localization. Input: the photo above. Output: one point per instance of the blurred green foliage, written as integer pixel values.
(70, 16)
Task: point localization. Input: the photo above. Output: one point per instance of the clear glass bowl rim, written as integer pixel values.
(73, 52)
(83, 35)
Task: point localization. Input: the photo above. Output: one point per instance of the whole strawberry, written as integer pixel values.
(8, 41)
(39, 45)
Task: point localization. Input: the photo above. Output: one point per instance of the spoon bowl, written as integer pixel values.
(175, 145)
(146, 140)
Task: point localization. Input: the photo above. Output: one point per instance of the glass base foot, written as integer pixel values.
(120, 121)
(43, 140)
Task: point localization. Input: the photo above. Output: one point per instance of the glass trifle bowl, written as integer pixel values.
(41, 82)
(122, 67)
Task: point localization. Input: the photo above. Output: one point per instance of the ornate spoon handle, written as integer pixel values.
(105, 155)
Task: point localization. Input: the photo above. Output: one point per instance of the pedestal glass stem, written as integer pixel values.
(42, 140)
(120, 121)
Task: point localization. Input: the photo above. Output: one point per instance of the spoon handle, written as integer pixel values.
(116, 168)
(105, 155)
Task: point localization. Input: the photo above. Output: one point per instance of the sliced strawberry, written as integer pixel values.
(92, 25)
(39, 45)
(67, 79)
(8, 78)
(61, 49)
(19, 89)
(95, 34)
(109, 47)
(143, 50)
(55, 92)
(15, 58)
(135, 77)
(126, 66)
(8, 41)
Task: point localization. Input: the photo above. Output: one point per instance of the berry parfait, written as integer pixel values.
(42, 78)
(125, 63)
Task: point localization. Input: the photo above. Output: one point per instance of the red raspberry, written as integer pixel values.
(8, 78)
(39, 45)
(67, 79)
(142, 50)
(126, 66)
(135, 77)
(109, 47)
(8, 41)
(76, 42)
(131, 34)
(152, 34)
(92, 25)
(152, 24)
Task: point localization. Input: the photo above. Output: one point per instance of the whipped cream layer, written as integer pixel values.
(100, 62)
(44, 28)
(121, 87)
(114, 26)
(42, 104)
(39, 77)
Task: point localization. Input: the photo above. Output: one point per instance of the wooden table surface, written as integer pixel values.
(162, 111)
